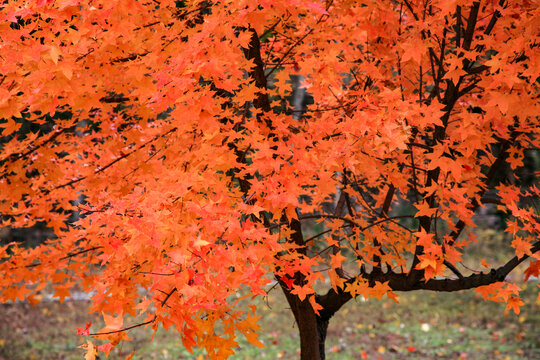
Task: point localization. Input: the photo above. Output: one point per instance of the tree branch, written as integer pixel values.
(332, 301)
(471, 24)
(136, 325)
(68, 256)
(105, 167)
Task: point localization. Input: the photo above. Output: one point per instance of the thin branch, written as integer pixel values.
(453, 269)
(68, 256)
(329, 3)
(409, 6)
(318, 235)
(280, 61)
(328, 216)
(267, 31)
(503, 153)
(322, 216)
(15, 157)
(136, 325)
(105, 167)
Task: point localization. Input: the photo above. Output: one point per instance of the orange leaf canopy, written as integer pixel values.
(153, 120)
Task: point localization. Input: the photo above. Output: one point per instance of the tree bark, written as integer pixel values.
(312, 329)
(322, 326)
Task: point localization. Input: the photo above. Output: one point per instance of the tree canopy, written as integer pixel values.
(193, 174)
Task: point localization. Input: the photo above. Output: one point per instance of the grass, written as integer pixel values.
(423, 326)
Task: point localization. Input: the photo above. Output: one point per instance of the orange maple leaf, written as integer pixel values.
(302, 291)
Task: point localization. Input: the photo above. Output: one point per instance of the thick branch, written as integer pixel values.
(333, 301)
(496, 15)
(471, 24)
(257, 73)
(472, 281)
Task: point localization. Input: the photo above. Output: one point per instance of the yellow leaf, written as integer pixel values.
(199, 242)
(91, 350)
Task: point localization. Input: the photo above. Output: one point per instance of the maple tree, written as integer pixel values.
(193, 175)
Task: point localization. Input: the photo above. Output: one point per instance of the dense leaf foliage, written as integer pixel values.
(193, 174)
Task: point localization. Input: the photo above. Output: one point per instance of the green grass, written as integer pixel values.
(423, 326)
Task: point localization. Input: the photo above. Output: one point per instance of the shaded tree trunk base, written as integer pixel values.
(312, 328)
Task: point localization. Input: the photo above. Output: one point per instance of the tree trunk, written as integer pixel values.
(322, 326)
(312, 328)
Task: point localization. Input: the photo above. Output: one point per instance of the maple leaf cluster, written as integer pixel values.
(167, 127)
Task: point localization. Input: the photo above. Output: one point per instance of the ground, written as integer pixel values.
(423, 326)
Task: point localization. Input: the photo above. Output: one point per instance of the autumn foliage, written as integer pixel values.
(167, 125)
